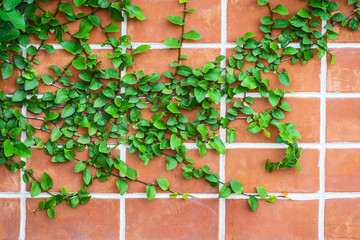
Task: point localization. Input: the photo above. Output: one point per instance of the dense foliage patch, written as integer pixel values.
(94, 107)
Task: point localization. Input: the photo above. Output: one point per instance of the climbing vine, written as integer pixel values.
(95, 105)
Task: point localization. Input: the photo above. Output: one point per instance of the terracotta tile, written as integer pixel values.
(342, 218)
(283, 219)
(307, 124)
(156, 168)
(248, 167)
(163, 57)
(156, 27)
(9, 85)
(10, 182)
(345, 34)
(9, 218)
(244, 16)
(342, 167)
(97, 219)
(62, 58)
(344, 74)
(172, 219)
(63, 174)
(342, 117)
(303, 78)
(96, 34)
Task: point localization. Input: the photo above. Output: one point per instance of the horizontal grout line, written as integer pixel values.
(202, 45)
(257, 95)
(293, 196)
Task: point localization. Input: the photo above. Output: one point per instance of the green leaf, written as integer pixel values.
(80, 166)
(262, 192)
(172, 42)
(271, 199)
(273, 98)
(231, 135)
(68, 111)
(253, 202)
(19, 95)
(87, 176)
(175, 141)
(122, 185)
(236, 186)
(202, 129)
(10, 4)
(129, 78)
(172, 107)
(35, 189)
(51, 212)
(55, 134)
(21, 150)
(135, 11)
(192, 35)
(332, 59)
(218, 145)
(248, 35)
(79, 63)
(14, 17)
(71, 47)
(8, 148)
(141, 48)
(262, 2)
(164, 184)
(225, 191)
(253, 128)
(112, 27)
(78, 3)
(176, 20)
(150, 192)
(7, 70)
(46, 182)
(84, 139)
(284, 78)
(280, 9)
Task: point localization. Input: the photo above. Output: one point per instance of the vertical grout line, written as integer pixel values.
(22, 184)
(322, 141)
(222, 114)
(123, 149)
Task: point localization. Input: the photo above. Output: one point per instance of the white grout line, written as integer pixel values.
(201, 45)
(323, 73)
(22, 184)
(122, 149)
(293, 196)
(257, 95)
(222, 205)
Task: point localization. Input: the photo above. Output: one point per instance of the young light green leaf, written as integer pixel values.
(271, 199)
(141, 48)
(192, 35)
(261, 191)
(280, 9)
(231, 135)
(176, 20)
(172, 42)
(150, 192)
(164, 184)
(236, 186)
(225, 191)
(8, 148)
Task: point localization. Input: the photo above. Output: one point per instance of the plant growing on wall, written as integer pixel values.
(95, 106)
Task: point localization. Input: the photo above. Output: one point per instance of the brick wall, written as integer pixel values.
(325, 193)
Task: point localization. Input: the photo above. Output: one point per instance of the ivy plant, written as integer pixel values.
(102, 104)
